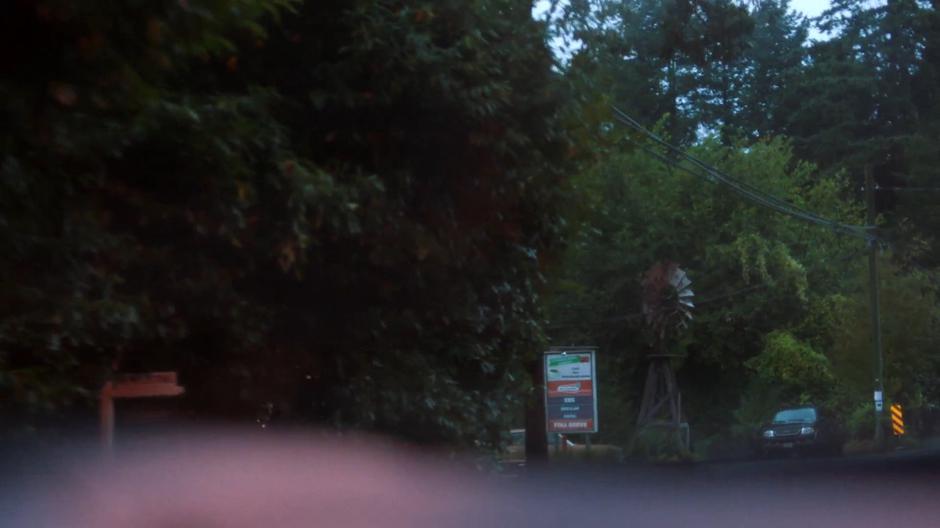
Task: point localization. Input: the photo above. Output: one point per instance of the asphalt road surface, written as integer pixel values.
(230, 481)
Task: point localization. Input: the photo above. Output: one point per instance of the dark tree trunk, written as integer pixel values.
(536, 441)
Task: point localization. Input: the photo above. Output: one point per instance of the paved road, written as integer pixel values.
(897, 489)
(907, 463)
(221, 480)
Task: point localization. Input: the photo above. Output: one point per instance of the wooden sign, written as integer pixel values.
(143, 385)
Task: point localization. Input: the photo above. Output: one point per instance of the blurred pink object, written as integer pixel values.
(214, 481)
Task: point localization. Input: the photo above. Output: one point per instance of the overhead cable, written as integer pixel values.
(743, 189)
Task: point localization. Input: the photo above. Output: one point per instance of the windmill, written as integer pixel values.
(667, 308)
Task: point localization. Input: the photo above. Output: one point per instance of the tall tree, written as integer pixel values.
(651, 57)
(337, 208)
(872, 109)
(773, 59)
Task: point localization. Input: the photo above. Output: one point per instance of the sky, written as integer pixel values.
(809, 7)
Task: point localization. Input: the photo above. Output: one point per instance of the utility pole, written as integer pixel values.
(878, 363)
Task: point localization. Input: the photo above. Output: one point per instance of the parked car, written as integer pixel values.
(802, 430)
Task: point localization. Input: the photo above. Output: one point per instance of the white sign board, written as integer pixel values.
(570, 391)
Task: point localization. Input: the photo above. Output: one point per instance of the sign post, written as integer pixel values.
(571, 390)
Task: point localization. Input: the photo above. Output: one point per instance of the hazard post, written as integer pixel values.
(897, 419)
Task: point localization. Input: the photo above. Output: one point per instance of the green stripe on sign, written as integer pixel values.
(564, 360)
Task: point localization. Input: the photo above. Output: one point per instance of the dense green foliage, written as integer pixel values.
(338, 208)
(763, 281)
(782, 315)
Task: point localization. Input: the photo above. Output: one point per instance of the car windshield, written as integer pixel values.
(807, 414)
(393, 263)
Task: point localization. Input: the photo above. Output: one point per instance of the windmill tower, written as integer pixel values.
(667, 307)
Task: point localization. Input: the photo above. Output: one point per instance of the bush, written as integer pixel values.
(733, 445)
(659, 445)
(860, 423)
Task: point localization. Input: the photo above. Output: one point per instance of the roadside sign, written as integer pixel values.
(143, 385)
(570, 390)
(897, 419)
(879, 400)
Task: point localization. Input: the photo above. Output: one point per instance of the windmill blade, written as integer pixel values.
(667, 298)
(679, 280)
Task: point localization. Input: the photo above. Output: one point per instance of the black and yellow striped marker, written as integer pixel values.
(897, 419)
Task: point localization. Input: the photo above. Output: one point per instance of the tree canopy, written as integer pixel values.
(340, 208)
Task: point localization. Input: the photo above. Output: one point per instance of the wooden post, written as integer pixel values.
(106, 408)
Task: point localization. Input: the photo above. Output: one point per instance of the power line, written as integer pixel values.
(633, 123)
(767, 201)
(745, 190)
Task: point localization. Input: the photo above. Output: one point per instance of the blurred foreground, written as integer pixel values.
(247, 480)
